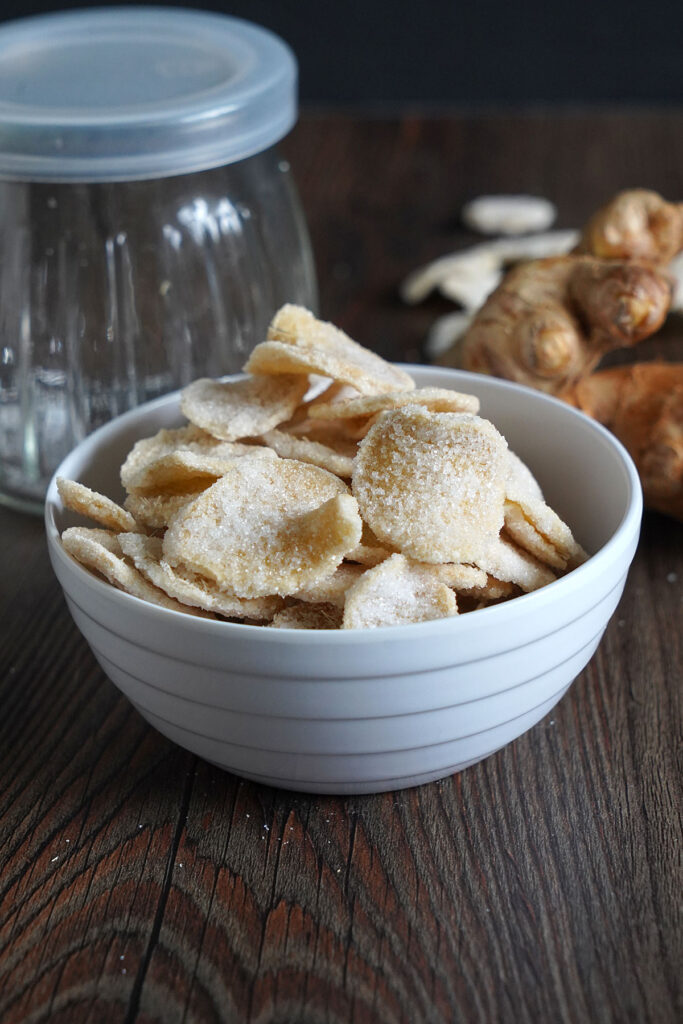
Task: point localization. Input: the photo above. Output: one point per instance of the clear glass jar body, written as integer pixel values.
(114, 293)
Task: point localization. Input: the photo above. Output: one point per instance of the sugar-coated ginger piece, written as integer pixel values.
(332, 589)
(436, 399)
(231, 409)
(155, 511)
(149, 450)
(511, 564)
(267, 527)
(564, 550)
(642, 405)
(520, 479)
(369, 551)
(395, 593)
(189, 588)
(299, 343)
(98, 507)
(288, 446)
(184, 471)
(100, 551)
(432, 484)
(550, 321)
(637, 224)
(524, 532)
(308, 616)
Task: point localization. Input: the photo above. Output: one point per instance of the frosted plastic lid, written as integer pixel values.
(120, 93)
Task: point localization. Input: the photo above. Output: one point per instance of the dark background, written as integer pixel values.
(385, 55)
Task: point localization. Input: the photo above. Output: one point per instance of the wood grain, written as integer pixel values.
(138, 883)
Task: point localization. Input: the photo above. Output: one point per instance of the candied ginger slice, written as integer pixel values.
(332, 589)
(491, 590)
(397, 592)
(98, 507)
(155, 511)
(191, 589)
(510, 564)
(457, 576)
(183, 470)
(287, 446)
(269, 526)
(369, 552)
(246, 407)
(436, 399)
(432, 485)
(308, 616)
(149, 449)
(297, 342)
(94, 552)
(521, 480)
(526, 536)
(547, 523)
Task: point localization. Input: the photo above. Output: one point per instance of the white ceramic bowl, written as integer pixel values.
(362, 711)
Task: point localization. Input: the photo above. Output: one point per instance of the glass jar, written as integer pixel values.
(148, 227)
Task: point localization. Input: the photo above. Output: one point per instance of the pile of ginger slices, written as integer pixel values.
(322, 491)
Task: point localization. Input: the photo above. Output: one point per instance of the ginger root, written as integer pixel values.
(635, 225)
(550, 321)
(642, 405)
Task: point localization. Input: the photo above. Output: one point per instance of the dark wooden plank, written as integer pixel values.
(139, 884)
(384, 197)
(88, 808)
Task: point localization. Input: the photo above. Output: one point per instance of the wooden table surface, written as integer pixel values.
(138, 883)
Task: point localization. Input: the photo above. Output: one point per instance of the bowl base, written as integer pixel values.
(356, 788)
